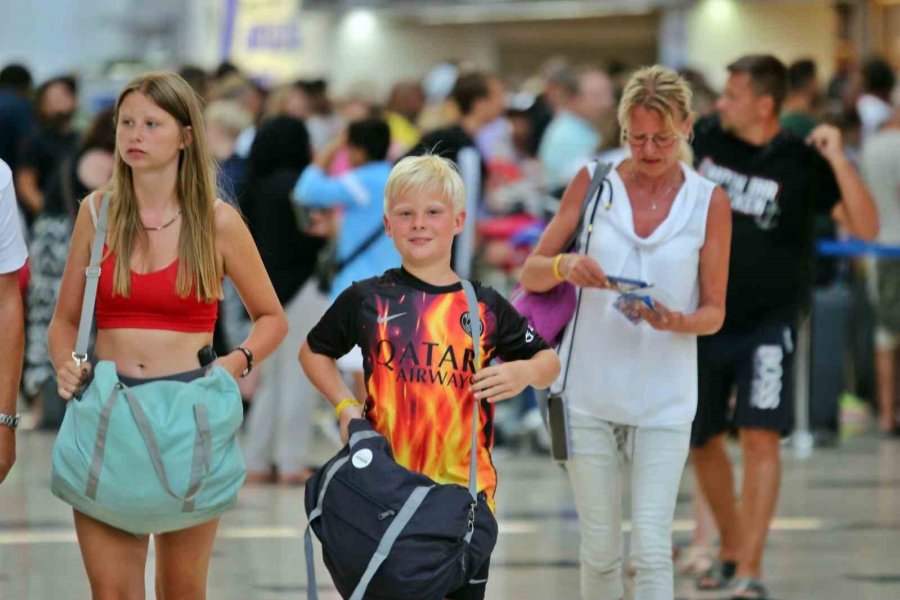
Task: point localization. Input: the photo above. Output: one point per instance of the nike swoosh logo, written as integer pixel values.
(384, 319)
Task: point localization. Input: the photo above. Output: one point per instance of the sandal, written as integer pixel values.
(718, 576)
(694, 561)
(747, 588)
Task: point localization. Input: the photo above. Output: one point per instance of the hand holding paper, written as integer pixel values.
(641, 301)
(661, 318)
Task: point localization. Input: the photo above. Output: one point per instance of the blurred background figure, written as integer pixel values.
(289, 99)
(405, 103)
(278, 441)
(56, 103)
(197, 78)
(880, 164)
(89, 167)
(803, 101)
(559, 85)
(234, 86)
(874, 103)
(573, 136)
(225, 120)
(481, 98)
(323, 124)
(362, 249)
(16, 115)
(703, 101)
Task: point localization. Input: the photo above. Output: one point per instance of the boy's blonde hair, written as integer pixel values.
(429, 172)
(663, 91)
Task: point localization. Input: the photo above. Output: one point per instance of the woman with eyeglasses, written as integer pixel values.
(631, 388)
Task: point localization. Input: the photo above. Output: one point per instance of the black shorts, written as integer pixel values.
(760, 362)
(474, 590)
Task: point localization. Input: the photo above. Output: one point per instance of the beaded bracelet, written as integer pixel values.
(249, 356)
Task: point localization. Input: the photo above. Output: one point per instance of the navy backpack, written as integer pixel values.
(388, 533)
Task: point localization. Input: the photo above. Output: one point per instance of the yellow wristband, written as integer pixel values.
(345, 403)
(556, 263)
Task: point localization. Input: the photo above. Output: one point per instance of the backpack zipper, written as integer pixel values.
(364, 494)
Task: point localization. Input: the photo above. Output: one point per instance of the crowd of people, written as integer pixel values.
(262, 221)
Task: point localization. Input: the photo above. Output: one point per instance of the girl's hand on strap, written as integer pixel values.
(70, 377)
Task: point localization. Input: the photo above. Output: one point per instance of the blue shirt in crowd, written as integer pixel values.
(360, 192)
(568, 143)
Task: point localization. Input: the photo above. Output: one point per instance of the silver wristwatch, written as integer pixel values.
(11, 421)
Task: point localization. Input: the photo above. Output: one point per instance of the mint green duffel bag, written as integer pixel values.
(151, 457)
(156, 457)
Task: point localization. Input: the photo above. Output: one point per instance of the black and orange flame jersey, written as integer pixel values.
(418, 358)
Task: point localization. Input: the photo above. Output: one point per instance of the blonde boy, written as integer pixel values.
(413, 327)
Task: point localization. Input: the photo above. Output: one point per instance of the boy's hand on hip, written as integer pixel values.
(501, 382)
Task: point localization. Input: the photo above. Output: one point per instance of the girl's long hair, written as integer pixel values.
(198, 268)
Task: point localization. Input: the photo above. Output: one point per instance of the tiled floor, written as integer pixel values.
(837, 535)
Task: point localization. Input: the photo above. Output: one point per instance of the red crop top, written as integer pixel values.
(153, 303)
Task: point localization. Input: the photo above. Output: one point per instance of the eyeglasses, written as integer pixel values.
(660, 140)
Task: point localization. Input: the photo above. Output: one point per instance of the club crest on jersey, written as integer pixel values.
(466, 323)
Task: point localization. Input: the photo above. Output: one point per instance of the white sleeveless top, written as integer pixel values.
(633, 374)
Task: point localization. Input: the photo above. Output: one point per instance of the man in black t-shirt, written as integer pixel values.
(777, 183)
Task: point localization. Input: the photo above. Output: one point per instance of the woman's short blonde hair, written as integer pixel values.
(663, 91)
(426, 173)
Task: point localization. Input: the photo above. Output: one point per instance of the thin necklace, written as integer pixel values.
(164, 225)
(663, 194)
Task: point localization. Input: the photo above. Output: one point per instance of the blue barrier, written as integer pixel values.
(854, 247)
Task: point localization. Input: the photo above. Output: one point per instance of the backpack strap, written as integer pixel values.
(360, 249)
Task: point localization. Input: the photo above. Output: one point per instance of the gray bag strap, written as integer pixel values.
(311, 592)
(92, 278)
(362, 435)
(475, 325)
(200, 468)
(390, 536)
(415, 499)
(601, 170)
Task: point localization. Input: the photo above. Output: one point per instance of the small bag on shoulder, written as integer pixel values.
(155, 457)
(550, 312)
(388, 533)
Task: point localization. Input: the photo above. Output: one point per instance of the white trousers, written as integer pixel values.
(280, 423)
(657, 456)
